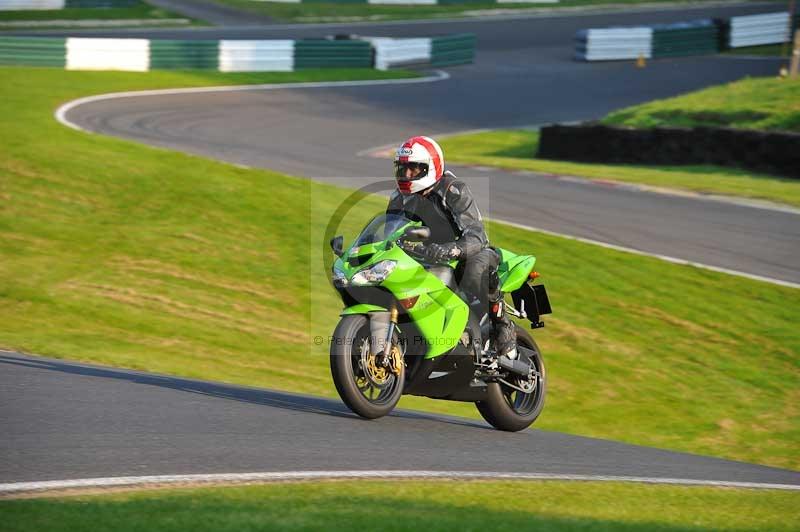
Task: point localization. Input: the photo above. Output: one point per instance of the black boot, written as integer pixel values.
(505, 332)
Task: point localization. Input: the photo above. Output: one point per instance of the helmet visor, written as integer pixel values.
(410, 171)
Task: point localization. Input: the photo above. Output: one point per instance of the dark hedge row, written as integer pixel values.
(772, 152)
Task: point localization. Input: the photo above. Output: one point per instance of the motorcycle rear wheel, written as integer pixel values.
(511, 410)
(350, 339)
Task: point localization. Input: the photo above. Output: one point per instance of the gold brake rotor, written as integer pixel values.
(380, 374)
(377, 374)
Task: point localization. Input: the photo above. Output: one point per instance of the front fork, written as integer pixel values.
(382, 326)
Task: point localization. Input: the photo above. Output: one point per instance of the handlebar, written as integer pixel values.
(417, 250)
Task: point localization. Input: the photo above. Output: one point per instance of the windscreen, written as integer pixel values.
(381, 227)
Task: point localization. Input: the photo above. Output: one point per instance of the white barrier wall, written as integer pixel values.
(755, 30)
(253, 56)
(616, 43)
(395, 52)
(15, 5)
(108, 54)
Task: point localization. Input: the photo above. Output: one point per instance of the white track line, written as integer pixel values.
(666, 258)
(231, 478)
(61, 112)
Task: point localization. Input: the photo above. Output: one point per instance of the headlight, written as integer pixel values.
(338, 278)
(377, 273)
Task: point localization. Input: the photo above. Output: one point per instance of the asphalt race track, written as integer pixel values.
(63, 420)
(515, 82)
(67, 420)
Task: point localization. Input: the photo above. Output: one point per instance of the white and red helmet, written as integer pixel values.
(424, 153)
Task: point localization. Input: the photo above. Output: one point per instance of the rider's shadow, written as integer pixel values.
(271, 398)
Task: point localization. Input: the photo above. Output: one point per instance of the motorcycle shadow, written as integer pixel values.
(260, 396)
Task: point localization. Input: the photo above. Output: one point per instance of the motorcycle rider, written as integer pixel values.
(427, 193)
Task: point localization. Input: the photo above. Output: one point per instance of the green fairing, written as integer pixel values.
(514, 269)
(439, 314)
(362, 308)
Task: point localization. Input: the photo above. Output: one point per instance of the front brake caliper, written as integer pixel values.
(396, 360)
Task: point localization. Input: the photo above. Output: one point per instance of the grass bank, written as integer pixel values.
(122, 254)
(766, 49)
(137, 11)
(407, 505)
(760, 103)
(752, 103)
(342, 11)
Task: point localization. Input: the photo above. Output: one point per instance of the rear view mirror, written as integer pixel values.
(417, 234)
(337, 245)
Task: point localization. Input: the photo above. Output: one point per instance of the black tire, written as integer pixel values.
(348, 339)
(511, 410)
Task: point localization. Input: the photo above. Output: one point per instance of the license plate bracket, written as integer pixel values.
(532, 302)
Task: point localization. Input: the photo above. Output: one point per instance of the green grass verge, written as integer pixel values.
(343, 10)
(768, 50)
(515, 149)
(407, 505)
(140, 11)
(122, 254)
(753, 103)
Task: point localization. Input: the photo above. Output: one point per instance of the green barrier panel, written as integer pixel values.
(184, 54)
(685, 41)
(101, 3)
(453, 50)
(35, 51)
(315, 53)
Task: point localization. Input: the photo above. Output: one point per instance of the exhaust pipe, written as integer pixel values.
(515, 366)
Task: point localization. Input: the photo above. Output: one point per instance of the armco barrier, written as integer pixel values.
(697, 37)
(436, 51)
(184, 54)
(18, 5)
(614, 43)
(34, 51)
(317, 53)
(775, 152)
(108, 54)
(78, 53)
(453, 49)
(391, 52)
(756, 30)
(256, 56)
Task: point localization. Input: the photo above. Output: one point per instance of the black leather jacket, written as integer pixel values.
(449, 209)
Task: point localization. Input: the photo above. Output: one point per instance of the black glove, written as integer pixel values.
(442, 252)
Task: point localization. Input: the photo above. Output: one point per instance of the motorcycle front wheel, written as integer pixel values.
(512, 410)
(368, 389)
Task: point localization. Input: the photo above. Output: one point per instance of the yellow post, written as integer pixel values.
(795, 55)
(640, 62)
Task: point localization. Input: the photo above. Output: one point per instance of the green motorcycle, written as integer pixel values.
(406, 329)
